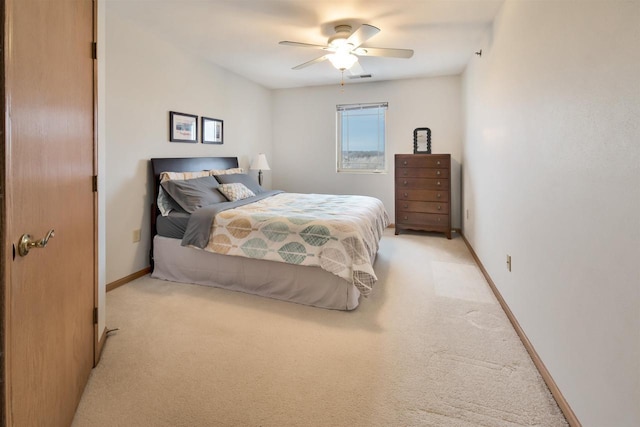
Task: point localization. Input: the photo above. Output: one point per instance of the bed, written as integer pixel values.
(214, 225)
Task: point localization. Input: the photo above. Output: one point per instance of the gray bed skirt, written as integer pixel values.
(296, 283)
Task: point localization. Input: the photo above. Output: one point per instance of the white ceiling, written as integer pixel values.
(242, 35)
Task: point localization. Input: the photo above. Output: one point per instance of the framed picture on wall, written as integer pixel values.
(183, 127)
(212, 131)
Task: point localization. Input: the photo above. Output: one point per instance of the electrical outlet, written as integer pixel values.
(509, 262)
(136, 235)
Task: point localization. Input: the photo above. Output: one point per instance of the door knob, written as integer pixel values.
(26, 244)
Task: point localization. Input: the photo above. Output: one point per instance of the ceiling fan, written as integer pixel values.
(345, 46)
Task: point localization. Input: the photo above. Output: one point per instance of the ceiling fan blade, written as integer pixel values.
(362, 34)
(313, 61)
(298, 44)
(383, 51)
(356, 69)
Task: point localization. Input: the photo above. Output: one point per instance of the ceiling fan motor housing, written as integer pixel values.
(340, 37)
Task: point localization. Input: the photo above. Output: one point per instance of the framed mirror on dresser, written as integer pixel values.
(422, 141)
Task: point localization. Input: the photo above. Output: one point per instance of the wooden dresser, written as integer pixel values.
(423, 192)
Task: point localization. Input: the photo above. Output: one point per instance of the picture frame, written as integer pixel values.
(212, 131)
(183, 127)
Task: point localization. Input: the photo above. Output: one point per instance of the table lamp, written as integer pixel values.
(260, 164)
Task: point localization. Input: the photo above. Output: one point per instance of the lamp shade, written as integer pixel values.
(260, 163)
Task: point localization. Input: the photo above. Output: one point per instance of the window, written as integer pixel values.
(361, 137)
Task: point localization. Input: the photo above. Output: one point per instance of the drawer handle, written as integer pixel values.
(404, 182)
(438, 173)
(404, 163)
(438, 183)
(406, 206)
(438, 162)
(404, 173)
(406, 218)
(406, 195)
(438, 219)
(438, 195)
(439, 207)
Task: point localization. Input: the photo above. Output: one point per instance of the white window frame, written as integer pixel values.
(382, 136)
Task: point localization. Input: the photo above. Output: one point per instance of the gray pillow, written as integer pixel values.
(241, 178)
(192, 194)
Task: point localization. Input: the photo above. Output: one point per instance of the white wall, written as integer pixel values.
(304, 137)
(145, 79)
(551, 171)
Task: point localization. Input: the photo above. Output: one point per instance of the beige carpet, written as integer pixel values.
(429, 347)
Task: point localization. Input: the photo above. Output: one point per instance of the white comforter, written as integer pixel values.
(340, 234)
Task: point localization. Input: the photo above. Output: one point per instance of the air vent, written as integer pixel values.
(361, 76)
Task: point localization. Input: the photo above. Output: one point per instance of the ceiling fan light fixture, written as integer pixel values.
(342, 61)
(338, 43)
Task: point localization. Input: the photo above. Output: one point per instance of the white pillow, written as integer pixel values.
(231, 171)
(235, 191)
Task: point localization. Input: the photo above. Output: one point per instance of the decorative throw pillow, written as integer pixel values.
(248, 181)
(165, 203)
(235, 191)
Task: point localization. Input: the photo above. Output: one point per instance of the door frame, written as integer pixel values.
(99, 336)
(4, 276)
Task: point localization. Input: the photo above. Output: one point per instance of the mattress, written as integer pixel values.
(307, 285)
(173, 225)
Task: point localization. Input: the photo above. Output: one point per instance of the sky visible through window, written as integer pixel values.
(361, 137)
(361, 130)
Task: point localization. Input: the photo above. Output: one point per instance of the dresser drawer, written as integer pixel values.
(423, 183)
(421, 219)
(422, 195)
(421, 173)
(422, 207)
(426, 161)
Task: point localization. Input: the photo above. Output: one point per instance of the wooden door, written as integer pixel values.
(49, 165)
